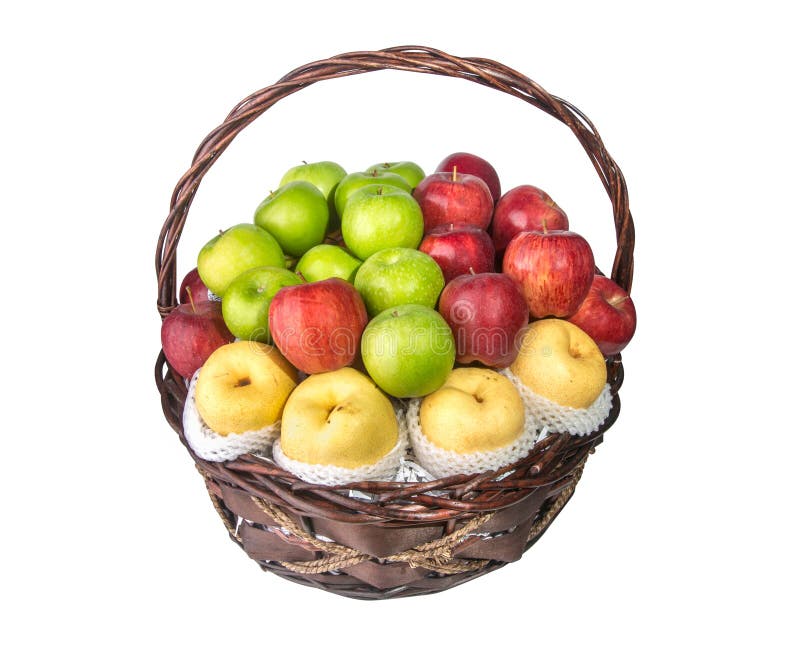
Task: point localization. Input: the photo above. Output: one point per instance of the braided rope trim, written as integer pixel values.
(436, 555)
(546, 519)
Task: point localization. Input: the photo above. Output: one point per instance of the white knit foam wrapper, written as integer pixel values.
(559, 418)
(325, 474)
(443, 463)
(214, 447)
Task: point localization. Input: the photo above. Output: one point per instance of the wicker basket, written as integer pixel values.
(414, 538)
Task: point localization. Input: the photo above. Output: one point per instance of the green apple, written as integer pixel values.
(379, 217)
(408, 170)
(408, 350)
(245, 305)
(325, 175)
(355, 181)
(325, 261)
(398, 276)
(235, 251)
(296, 215)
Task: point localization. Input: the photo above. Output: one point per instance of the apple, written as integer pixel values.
(339, 418)
(408, 170)
(486, 313)
(245, 305)
(607, 315)
(469, 164)
(459, 249)
(326, 260)
(192, 288)
(234, 251)
(190, 333)
(475, 410)
(398, 276)
(555, 270)
(355, 181)
(559, 361)
(378, 217)
(325, 175)
(317, 326)
(296, 215)
(243, 387)
(522, 209)
(454, 198)
(408, 350)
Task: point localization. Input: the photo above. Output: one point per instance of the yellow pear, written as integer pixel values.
(338, 418)
(476, 409)
(243, 386)
(561, 362)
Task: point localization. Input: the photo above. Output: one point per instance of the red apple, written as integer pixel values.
(459, 248)
(486, 313)
(197, 289)
(454, 198)
(555, 270)
(607, 315)
(191, 332)
(317, 326)
(465, 162)
(522, 209)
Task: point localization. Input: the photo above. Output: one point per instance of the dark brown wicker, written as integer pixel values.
(407, 541)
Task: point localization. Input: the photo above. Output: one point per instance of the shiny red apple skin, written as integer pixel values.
(190, 333)
(465, 162)
(454, 198)
(457, 248)
(198, 290)
(522, 209)
(607, 314)
(317, 326)
(486, 313)
(554, 269)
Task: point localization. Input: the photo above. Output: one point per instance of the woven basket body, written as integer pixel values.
(391, 539)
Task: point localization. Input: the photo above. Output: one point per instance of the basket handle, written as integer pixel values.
(408, 58)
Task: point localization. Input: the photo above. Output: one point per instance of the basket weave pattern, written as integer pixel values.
(409, 538)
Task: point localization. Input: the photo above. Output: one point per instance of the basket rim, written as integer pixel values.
(551, 461)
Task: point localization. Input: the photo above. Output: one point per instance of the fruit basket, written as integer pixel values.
(388, 539)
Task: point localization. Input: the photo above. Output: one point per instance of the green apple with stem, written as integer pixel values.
(355, 181)
(296, 215)
(325, 175)
(408, 170)
(326, 261)
(235, 251)
(245, 305)
(398, 276)
(408, 350)
(379, 217)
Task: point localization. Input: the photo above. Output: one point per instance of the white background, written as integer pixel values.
(681, 536)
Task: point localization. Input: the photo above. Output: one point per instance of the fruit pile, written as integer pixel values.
(360, 314)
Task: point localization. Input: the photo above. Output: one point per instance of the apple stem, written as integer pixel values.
(544, 226)
(191, 299)
(471, 270)
(455, 169)
(395, 314)
(380, 191)
(304, 161)
(301, 276)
